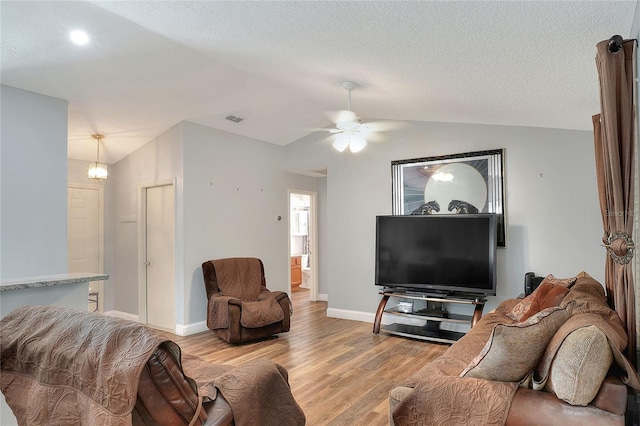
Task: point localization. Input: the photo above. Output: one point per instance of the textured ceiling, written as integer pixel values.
(279, 65)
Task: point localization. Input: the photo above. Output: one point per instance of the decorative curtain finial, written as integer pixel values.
(620, 247)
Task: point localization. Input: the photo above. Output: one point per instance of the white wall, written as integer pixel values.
(234, 187)
(158, 160)
(552, 211)
(33, 179)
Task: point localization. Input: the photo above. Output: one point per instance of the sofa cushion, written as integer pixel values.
(549, 293)
(513, 350)
(580, 366)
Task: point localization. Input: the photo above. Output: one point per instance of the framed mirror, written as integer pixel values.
(468, 183)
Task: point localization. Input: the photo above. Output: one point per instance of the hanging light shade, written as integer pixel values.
(354, 140)
(342, 142)
(98, 170)
(357, 142)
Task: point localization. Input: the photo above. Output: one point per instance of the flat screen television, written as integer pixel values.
(437, 253)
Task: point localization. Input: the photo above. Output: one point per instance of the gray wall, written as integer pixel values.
(234, 187)
(323, 270)
(552, 211)
(229, 191)
(158, 160)
(33, 179)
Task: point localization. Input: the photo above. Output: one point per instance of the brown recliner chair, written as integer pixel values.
(240, 307)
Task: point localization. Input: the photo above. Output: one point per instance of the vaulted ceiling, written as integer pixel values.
(279, 65)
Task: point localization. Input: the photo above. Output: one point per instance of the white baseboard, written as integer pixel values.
(122, 315)
(350, 315)
(322, 297)
(181, 330)
(189, 329)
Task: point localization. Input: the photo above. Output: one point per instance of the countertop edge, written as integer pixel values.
(50, 280)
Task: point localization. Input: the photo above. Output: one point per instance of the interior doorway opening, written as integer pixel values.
(303, 242)
(85, 237)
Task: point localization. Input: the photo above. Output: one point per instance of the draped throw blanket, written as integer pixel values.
(62, 366)
(441, 397)
(614, 151)
(258, 391)
(590, 308)
(253, 314)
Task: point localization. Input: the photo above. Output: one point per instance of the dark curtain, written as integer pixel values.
(614, 152)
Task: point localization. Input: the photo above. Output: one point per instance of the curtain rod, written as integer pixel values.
(616, 41)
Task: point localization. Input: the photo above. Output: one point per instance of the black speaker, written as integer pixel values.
(528, 283)
(531, 282)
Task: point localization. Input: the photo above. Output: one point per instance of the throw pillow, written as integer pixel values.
(513, 350)
(580, 366)
(549, 293)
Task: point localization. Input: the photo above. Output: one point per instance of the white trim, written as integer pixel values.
(193, 328)
(322, 297)
(351, 315)
(122, 315)
(142, 247)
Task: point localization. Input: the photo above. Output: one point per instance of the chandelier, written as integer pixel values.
(98, 170)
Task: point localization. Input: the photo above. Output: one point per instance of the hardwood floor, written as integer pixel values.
(340, 372)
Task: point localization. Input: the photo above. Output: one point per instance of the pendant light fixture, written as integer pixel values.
(98, 170)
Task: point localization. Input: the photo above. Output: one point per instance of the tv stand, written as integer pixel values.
(433, 316)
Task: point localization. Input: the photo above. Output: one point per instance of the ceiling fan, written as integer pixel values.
(350, 131)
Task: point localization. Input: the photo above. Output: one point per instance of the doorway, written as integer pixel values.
(85, 233)
(156, 295)
(303, 242)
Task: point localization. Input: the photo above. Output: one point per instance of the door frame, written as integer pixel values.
(142, 249)
(313, 235)
(100, 189)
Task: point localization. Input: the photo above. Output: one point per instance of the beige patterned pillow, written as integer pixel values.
(513, 350)
(580, 366)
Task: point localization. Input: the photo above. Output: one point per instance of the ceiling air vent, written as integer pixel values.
(234, 118)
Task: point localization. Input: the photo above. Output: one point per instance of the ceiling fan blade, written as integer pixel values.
(341, 116)
(374, 137)
(382, 126)
(329, 129)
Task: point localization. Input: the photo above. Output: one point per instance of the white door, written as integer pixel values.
(84, 243)
(160, 262)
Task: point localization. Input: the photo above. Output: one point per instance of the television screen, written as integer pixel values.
(439, 253)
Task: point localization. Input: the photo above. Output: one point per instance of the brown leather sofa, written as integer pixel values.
(240, 308)
(531, 407)
(167, 397)
(565, 380)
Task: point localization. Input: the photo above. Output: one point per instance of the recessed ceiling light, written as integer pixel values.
(79, 37)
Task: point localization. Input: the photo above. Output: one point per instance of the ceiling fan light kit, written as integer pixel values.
(348, 129)
(355, 141)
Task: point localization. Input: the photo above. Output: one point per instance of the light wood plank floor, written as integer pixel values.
(340, 372)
